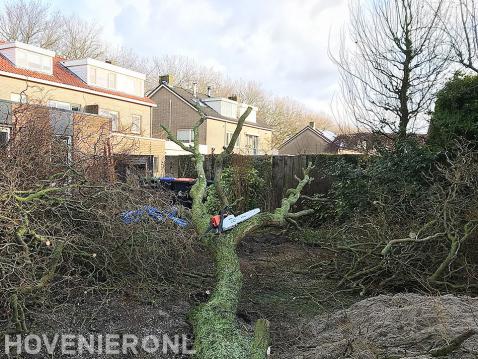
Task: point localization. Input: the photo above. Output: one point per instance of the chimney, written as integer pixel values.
(166, 79)
(233, 98)
(195, 89)
(209, 91)
(312, 124)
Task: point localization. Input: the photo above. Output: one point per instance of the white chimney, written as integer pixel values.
(209, 91)
(312, 124)
(195, 89)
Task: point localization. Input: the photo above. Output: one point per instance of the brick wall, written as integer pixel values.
(175, 114)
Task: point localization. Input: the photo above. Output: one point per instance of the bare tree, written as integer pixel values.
(462, 29)
(34, 22)
(79, 39)
(59, 221)
(31, 22)
(185, 71)
(392, 62)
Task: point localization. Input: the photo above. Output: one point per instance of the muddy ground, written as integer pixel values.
(290, 283)
(284, 282)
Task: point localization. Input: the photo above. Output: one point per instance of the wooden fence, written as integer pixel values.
(279, 172)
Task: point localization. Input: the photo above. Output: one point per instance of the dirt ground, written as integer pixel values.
(289, 283)
(284, 282)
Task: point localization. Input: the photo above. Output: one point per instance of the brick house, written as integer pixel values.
(177, 110)
(83, 95)
(309, 141)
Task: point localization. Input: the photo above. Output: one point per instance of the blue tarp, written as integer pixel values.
(155, 214)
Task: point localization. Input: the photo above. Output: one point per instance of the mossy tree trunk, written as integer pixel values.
(216, 331)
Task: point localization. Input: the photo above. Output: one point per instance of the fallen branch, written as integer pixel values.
(453, 345)
(413, 238)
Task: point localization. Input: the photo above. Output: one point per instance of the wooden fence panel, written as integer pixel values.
(277, 181)
(283, 172)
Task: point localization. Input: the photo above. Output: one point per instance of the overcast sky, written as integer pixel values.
(280, 43)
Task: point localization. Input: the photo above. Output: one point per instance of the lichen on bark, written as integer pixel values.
(217, 334)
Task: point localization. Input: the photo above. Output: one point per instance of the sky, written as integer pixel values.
(282, 44)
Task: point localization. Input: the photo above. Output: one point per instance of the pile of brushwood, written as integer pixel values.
(61, 232)
(403, 219)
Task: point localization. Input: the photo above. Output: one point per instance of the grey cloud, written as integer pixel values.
(272, 47)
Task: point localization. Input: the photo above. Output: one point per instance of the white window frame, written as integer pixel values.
(111, 80)
(19, 97)
(229, 138)
(189, 138)
(252, 140)
(69, 147)
(113, 116)
(137, 118)
(104, 78)
(59, 104)
(34, 61)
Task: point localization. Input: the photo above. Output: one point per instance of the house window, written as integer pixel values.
(59, 104)
(33, 61)
(228, 110)
(76, 107)
(252, 144)
(229, 138)
(186, 135)
(128, 84)
(19, 97)
(102, 78)
(4, 136)
(115, 81)
(63, 150)
(113, 115)
(135, 124)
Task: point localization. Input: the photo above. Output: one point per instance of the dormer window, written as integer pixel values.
(34, 61)
(102, 78)
(230, 108)
(28, 57)
(108, 76)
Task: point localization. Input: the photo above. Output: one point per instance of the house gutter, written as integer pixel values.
(74, 88)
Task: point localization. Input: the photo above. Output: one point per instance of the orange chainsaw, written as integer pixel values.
(224, 222)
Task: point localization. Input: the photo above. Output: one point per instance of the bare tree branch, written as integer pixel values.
(391, 63)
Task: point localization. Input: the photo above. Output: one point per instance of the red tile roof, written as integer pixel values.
(63, 76)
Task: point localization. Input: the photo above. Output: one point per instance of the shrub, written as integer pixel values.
(392, 178)
(456, 112)
(61, 232)
(417, 225)
(243, 184)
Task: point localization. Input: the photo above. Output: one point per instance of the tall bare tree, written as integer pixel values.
(391, 62)
(35, 22)
(462, 28)
(31, 22)
(79, 39)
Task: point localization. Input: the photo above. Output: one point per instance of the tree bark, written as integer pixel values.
(216, 331)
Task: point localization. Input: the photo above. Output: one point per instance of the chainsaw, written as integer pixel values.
(224, 222)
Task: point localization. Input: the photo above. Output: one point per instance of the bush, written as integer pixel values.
(241, 181)
(456, 112)
(410, 224)
(61, 232)
(391, 178)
